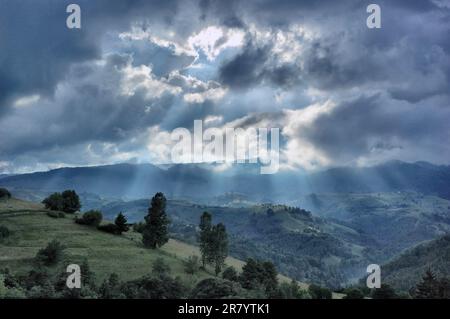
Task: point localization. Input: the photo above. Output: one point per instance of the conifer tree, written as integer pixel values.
(155, 232)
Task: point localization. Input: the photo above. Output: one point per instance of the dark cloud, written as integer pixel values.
(391, 85)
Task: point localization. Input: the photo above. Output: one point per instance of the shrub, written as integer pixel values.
(353, 293)
(109, 228)
(139, 227)
(90, 218)
(160, 268)
(4, 193)
(4, 232)
(192, 264)
(51, 254)
(215, 288)
(230, 274)
(317, 292)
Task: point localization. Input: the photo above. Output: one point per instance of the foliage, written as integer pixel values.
(4, 232)
(291, 291)
(204, 237)
(213, 288)
(51, 254)
(121, 223)
(191, 265)
(353, 293)
(110, 228)
(67, 201)
(230, 274)
(318, 292)
(160, 268)
(90, 218)
(55, 214)
(384, 292)
(255, 273)
(219, 246)
(155, 233)
(4, 193)
(432, 288)
(139, 227)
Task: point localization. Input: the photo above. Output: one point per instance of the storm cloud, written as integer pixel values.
(112, 91)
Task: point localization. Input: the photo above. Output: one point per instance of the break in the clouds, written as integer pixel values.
(112, 91)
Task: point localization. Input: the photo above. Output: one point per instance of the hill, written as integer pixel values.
(200, 182)
(406, 270)
(31, 229)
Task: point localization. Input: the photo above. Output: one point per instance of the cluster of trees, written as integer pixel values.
(67, 201)
(430, 287)
(213, 241)
(95, 217)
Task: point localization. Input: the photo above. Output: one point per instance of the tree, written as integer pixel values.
(71, 201)
(121, 223)
(204, 237)
(54, 202)
(155, 233)
(354, 293)
(256, 273)
(428, 288)
(219, 246)
(384, 292)
(4, 193)
(51, 254)
(68, 201)
(318, 292)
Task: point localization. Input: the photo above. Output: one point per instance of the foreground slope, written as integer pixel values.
(124, 255)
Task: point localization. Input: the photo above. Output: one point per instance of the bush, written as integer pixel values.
(230, 274)
(90, 218)
(51, 254)
(54, 214)
(4, 232)
(110, 228)
(192, 264)
(215, 288)
(353, 293)
(160, 268)
(139, 227)
(4, 193)
(317, 292)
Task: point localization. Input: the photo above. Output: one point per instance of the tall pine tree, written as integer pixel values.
(121, 223)
(155, 232)
(428, 288)
(219, 247)
(204, 237)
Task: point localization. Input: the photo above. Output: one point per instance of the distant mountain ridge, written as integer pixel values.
(197, 181)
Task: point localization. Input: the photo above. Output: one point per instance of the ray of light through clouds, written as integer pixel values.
(113, 91)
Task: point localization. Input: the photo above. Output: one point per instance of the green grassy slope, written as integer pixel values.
(32, 229)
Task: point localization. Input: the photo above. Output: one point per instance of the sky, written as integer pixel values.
(113, 91)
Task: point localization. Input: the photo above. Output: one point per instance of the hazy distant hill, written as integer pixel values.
(199, 182)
